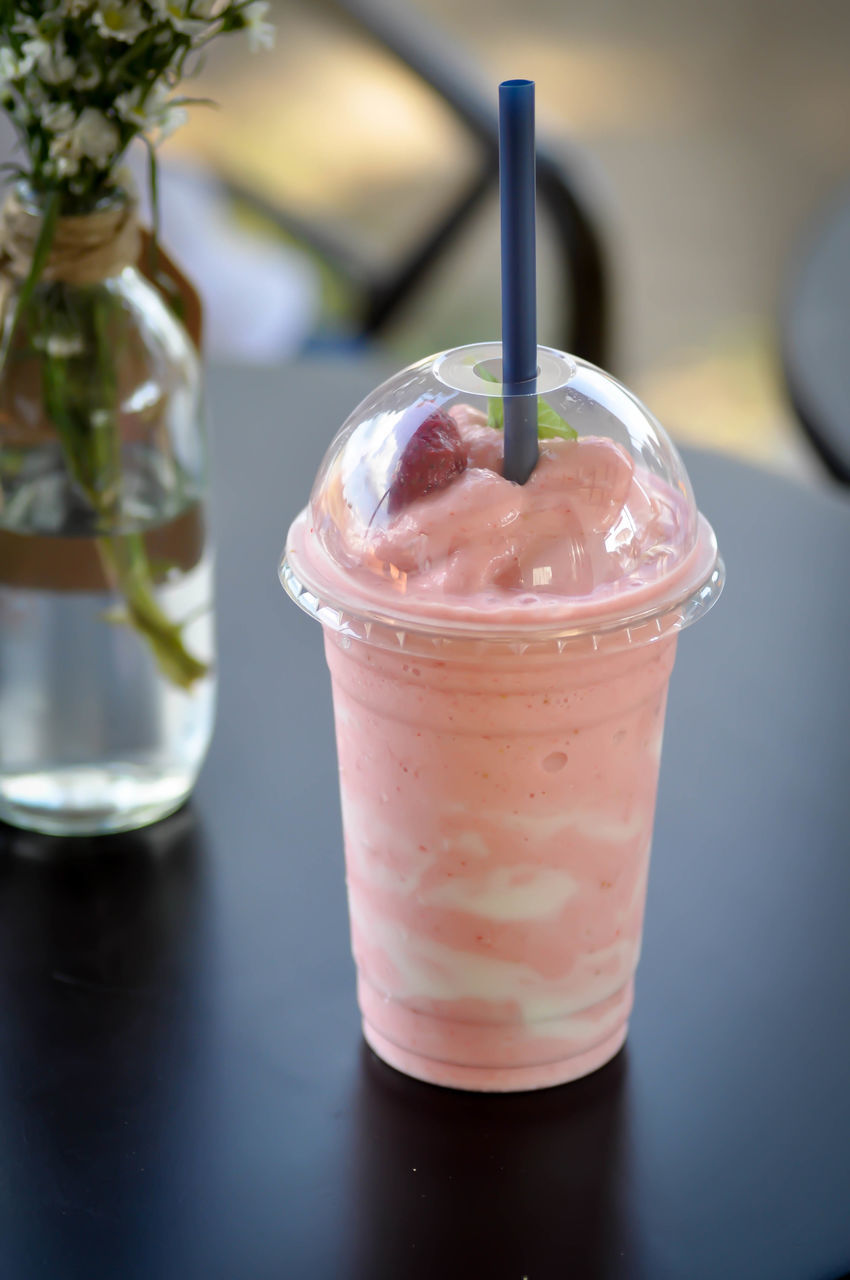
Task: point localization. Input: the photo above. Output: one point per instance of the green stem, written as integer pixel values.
(81, 401)
(125, 562)
(39, 260)
(135, 52)
(124, 556)
(153, 187)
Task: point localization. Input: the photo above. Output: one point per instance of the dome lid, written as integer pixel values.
(411, 520)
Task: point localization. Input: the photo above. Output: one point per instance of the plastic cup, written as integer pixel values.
(499, 721)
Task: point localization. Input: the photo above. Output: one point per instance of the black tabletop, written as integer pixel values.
(183, 1088)
(816, 336)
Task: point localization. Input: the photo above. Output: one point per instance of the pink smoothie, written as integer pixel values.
(499, 736)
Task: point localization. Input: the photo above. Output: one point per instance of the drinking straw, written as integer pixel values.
(517, 191)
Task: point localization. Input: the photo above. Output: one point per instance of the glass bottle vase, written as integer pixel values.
(107, 685)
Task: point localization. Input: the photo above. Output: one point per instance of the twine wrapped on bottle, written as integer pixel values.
(86, 248)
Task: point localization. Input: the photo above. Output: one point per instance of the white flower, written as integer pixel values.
(87, 77)
(25, 25)
(128, 108)
(36, 51)
(13, 68)
(8, 65)
(64, 160)
(61, 10)
(51, 59)
(39, 79)
(260, 32)
(92, 137)
(120, 21)
(185, 23)
(34, 93)
(156, 114)
(169, 120)
(96, 137)
(207, 9)
(57, 117)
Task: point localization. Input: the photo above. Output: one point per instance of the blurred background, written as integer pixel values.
(708, 136)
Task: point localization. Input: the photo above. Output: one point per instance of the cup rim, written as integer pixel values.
(682, 599)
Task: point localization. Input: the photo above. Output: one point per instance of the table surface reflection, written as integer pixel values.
(183, 1089)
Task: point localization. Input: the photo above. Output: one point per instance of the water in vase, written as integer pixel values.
(97, 733)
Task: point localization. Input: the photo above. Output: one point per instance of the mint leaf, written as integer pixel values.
(495, 404)
(550, 425)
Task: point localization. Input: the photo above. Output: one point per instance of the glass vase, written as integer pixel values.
(107, 685)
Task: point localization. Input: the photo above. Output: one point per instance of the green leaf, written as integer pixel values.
(495, 404)
(153, 191)
(550, 425)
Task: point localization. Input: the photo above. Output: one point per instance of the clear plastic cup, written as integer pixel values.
(500, 656)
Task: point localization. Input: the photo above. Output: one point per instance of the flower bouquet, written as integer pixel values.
(106, 664)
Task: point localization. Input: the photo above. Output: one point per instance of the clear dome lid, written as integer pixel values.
(411, 519)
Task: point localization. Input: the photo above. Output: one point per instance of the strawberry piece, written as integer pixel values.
(430, 460)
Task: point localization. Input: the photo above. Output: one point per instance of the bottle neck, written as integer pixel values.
(83, 247)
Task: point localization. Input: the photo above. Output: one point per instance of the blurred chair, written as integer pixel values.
(261, 300)
(815, 337)
(564, 193)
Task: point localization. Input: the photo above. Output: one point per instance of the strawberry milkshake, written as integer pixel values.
(500, 656)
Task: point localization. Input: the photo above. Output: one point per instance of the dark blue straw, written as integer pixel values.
(517, 184)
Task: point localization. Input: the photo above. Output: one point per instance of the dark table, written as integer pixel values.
(183, 1090)
(815, 336)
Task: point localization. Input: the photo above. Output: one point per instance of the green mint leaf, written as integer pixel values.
(550, 424)
(496, 414)
(495, 406)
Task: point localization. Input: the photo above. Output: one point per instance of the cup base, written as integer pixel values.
(518, 1079)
